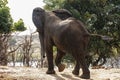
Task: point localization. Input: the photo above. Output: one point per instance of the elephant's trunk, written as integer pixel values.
(42, 45)
(41, 37)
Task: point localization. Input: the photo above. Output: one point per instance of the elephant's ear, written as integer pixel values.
(62, 13)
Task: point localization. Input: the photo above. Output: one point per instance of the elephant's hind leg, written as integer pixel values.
(80, 59)
(58, 59)
(85, 70)
(77, 68)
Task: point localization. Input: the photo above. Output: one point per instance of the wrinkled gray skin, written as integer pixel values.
(69, 36)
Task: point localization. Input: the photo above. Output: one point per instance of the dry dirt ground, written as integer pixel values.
(25, 73)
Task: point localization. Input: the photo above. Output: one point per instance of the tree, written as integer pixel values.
(19, 26)
(53, 4)
(6, 29)
(5, 17)
(27, 51)
(100, 17)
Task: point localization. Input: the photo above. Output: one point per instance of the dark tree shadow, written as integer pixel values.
(57, 77)
(70, 77)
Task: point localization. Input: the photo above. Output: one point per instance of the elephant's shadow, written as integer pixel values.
(65, 77)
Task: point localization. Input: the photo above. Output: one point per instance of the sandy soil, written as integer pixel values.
(24, 73)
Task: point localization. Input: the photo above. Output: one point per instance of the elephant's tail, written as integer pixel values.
(107, 38)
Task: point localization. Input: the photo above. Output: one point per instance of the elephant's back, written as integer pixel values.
(70, 35)
(72, 27)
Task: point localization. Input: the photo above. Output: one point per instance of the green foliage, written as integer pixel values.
(19, 26)
(3, 3)
(5, 18)
(68, 58)
(53, 4)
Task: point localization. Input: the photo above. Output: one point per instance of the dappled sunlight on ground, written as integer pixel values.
(25, 73)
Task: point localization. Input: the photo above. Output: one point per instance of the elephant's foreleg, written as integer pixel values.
(59, 56)
(49, 53)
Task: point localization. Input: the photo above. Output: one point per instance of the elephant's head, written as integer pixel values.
(62, 13)
(38, 18)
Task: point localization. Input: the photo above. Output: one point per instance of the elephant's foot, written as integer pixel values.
(61, 67)
(50, 72)
(85, 76)
(75, 72)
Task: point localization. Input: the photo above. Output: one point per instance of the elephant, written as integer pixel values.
(69, 36)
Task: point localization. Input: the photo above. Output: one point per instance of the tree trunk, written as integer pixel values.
(13, 58)
(3, 49)
(26, 50)
(3, 58)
